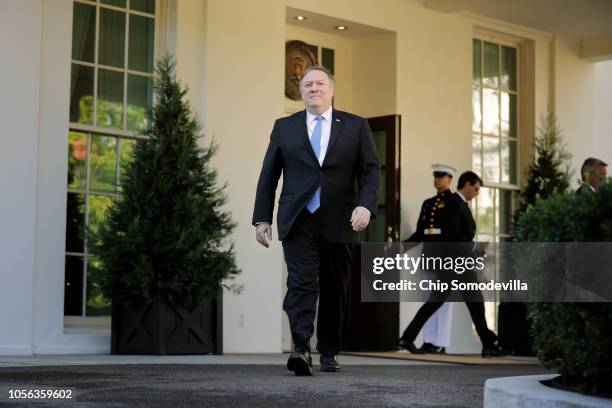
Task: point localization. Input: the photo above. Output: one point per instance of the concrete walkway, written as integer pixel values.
(248, 381)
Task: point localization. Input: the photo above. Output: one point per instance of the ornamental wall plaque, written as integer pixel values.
(298, 57)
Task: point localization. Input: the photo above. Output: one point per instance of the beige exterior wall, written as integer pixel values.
(575, 103)
(603, 107)
(245, 94)
(231, 55)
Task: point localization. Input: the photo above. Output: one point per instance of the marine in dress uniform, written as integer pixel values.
(430, 227)
(458, 228)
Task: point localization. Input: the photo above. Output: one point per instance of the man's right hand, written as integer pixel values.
(263, 233)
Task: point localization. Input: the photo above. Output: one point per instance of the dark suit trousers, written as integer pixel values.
(316, 269)
(475, 306)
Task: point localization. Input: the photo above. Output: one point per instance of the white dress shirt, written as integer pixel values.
(325, 130)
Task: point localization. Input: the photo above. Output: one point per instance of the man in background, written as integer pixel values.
(593, 172)
(460, 228)
(430, 226)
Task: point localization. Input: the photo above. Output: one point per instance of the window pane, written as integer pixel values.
(140, 102)
(75, 222)
(98, 211)
(73, 286)
(490, 101)
(476, 110)
(490, 160)
(477, 154)
(508, 114)
(491, 64)
(103, 169)
(142, 34)
(110, 99)
(476, 71)
(146, 6)
(118, 3)
(83, 32)
(485, 214)
(81, 94)
(111, 47)
(505, 211)
(126, 153)
(509, 68)
(96, 304)
(508, 161)
(327, 58)
(77, 160)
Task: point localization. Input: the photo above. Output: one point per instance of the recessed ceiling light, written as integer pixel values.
(341, 27)
(300, 18)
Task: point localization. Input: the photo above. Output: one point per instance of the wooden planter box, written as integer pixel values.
(162, 328)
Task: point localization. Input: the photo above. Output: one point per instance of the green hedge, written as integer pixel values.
(573, 338)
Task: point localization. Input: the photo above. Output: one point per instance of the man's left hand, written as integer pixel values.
(360, 218)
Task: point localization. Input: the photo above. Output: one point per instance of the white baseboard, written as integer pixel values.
(16, 350)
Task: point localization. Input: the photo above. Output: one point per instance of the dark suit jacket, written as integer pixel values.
(461, 227)
(348, 178)
(584, 189)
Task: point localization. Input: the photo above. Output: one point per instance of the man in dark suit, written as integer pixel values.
(459, 228)
(330, 190)
(593, 172)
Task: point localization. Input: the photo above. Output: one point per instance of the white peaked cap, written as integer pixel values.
(444, 168)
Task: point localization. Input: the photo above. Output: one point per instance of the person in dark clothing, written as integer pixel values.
(593, 172)
(460, 227)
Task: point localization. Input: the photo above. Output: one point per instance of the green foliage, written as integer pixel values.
(168, 231)
(573, 338)
(549, 172)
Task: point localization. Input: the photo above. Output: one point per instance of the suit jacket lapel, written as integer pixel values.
(300, 123)
(337, 121)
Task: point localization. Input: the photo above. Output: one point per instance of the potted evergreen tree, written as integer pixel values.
(547, 174)
(163, 251)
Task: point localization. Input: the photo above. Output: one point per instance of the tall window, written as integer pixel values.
(111, 96)
(495, 136)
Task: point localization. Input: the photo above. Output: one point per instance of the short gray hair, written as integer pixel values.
(319, 68)
(590, 166)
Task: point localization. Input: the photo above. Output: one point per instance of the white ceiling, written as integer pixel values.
(572, 19)
(326, 24)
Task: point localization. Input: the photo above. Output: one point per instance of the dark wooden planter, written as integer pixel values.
(162, 328)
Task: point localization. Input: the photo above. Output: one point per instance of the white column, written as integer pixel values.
(20, 42)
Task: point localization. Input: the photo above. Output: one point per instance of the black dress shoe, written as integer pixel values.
(329, 364)
(494, 351)
(430, 348)
(300, 362)
(409, 345)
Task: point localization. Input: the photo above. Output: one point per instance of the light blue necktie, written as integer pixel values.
(315, 141)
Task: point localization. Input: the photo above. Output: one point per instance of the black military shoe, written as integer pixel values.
(329, 364)
(409, 345)
(430, 348)
(495, 351)
(300, 362)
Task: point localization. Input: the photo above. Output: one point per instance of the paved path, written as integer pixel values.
(249, 381)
